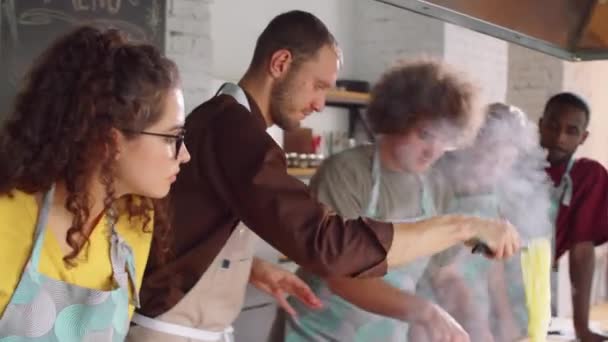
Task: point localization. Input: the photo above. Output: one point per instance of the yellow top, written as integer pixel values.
(93, 267)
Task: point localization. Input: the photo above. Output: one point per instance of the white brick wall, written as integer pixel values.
(188, 43)
(533, 78)
(384, 34)
(482, 57)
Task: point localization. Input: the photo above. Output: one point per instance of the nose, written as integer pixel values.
(434, 150)
(184, 154)
(318, 103)
(428, 152)
(561, 138)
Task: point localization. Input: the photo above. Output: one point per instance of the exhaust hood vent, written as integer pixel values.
(568, 29)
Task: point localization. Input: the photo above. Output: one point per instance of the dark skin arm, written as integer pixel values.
(582, 256)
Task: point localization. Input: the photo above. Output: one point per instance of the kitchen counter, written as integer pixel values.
(599, 321)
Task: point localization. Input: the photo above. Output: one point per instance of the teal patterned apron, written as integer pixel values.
(43, 309)
(341, 321)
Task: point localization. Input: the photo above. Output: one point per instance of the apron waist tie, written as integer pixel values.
(183, 331)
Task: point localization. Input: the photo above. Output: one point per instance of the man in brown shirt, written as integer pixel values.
(239, 174)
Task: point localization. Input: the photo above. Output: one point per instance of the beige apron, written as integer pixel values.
(209, 308)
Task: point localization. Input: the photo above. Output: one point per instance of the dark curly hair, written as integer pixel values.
(421, 90)
(83, 86)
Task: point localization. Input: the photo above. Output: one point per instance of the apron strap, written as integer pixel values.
(562, 196)
(372, 205)
(236, 92)
(121, 255)
(123, 263)
(43, 216)
(428, 204)
(567, 181)
(426, 201)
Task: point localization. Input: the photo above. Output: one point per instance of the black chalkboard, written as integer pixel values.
(27, 27)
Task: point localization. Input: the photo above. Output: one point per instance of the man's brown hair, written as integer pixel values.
(299, 32)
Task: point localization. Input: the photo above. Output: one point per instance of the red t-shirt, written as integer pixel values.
(586, 219)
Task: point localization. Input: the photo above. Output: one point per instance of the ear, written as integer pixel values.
(119, 140)
(280, 61)
(584, 137)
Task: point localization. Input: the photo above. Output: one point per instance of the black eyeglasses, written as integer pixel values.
(178, 139)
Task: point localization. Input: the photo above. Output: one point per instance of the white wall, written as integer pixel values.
(589, 79)
(533, 78)
(236, 24)
(385, 34)
(483, 58)
(188, 43)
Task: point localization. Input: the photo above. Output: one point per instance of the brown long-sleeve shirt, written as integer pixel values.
(238, 173)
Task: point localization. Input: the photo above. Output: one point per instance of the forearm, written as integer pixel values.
(497, 288)
(452, 293)
(281, 210)
(582, 264)
(377, 296)
(425, 238)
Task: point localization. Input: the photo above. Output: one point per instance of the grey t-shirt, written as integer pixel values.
(344, 183)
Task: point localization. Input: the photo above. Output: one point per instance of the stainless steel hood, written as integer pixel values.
(569, 29)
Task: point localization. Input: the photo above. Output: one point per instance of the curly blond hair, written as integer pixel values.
(424, 90)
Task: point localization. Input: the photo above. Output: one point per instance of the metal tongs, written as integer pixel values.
(480, 247)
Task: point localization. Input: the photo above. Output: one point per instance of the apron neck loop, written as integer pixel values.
(236, 92)
(426, 201)
(372, 206)
(565, 184)
(43, 216)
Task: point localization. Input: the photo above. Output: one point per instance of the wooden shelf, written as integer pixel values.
(301, 172)
(347, 98)
(355, 102)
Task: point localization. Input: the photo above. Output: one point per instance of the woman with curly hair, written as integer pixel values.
(94, 138)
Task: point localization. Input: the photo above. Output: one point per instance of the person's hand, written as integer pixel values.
(433, 324)
(498, 234)
(280, 284)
